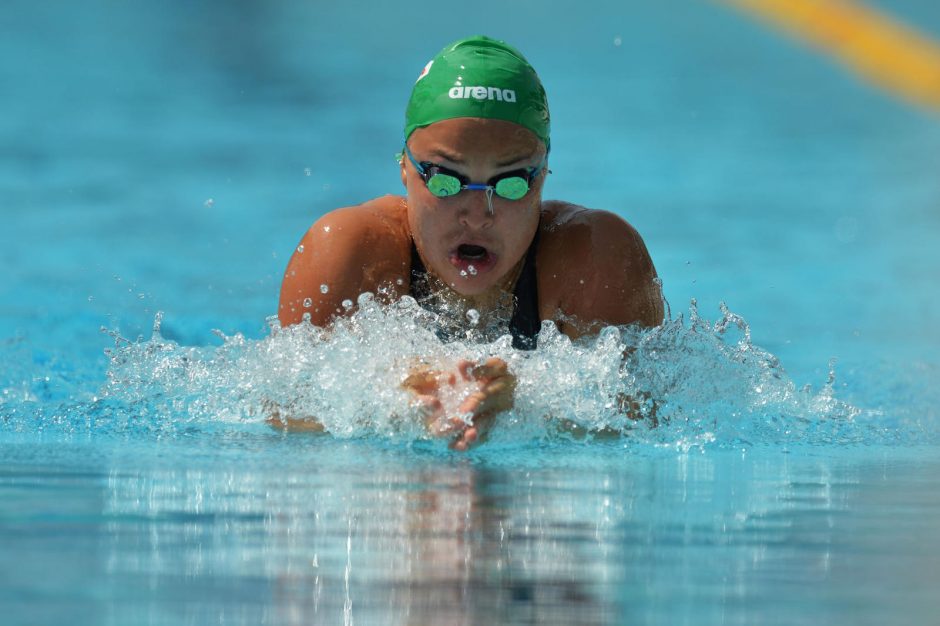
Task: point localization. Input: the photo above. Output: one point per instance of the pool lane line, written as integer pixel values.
(879, 48)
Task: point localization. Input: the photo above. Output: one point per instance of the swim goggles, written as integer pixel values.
(443, 182)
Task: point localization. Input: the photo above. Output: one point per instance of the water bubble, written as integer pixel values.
(324, 288)
(306, 317)
(326, 229)
(463, 273)
(472, 270)
(209, 202)
(618, 41)
(399, 282)
(307, 171)
(300, 249)
(473, 316)
(308, 302)
(347, 304)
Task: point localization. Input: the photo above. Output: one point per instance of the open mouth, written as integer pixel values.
(472, 260)
(470, 252)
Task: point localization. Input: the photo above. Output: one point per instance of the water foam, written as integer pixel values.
(684, 384)
(689, 383)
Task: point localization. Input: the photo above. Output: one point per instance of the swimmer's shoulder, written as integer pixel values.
(384, 217)
(594, 265)
(351, 250)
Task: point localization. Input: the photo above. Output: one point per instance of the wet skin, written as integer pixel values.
(593, 268)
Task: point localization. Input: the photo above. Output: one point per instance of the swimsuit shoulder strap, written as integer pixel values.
(419, 286)
(526, 323)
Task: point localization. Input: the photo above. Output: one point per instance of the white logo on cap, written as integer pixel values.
(483, 93)
(424, 72)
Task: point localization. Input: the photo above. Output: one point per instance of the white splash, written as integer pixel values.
(682, 384)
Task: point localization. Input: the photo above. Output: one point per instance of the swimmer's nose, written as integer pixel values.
(476, 210)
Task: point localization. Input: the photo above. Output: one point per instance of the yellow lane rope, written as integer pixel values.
(879, 48)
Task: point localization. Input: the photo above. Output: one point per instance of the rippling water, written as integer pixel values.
(253, 527)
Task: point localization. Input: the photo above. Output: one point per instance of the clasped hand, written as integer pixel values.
(463, 402)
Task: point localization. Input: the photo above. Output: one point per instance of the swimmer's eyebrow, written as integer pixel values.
(513, 161)
(456, 159)
(447, 156)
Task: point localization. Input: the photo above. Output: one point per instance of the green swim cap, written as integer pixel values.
(479, 77)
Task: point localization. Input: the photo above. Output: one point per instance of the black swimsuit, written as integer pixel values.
(525, 322)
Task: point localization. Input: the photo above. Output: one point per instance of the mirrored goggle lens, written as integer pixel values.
(512, 188)
(442, 185)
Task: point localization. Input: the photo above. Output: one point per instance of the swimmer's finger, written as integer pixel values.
(470, 435)
(499, 394)
(428, 404)
(471, 405)
(493, 367)
(442, 427)
(422, 381)
(464, 440)
(465, 367)
(474, 434)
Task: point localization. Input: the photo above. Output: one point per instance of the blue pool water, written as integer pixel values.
(158, 164)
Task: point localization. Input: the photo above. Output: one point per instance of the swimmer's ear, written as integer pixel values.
(400, 157)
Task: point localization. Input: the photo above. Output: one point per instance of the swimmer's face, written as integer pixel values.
(464, 244)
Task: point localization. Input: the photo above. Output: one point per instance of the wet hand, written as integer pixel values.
(462, 403)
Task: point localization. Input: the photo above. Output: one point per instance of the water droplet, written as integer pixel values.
(399, 282)
(300, 249)
(326, 229)
(308, 302)
(91, 298)
(618, 41)
(472, 270)
(307, 171)
(209, 202)
(347, 304)
(581, 281)
(324, 288)
(473, 316)
(463, 273)
(306, 316)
